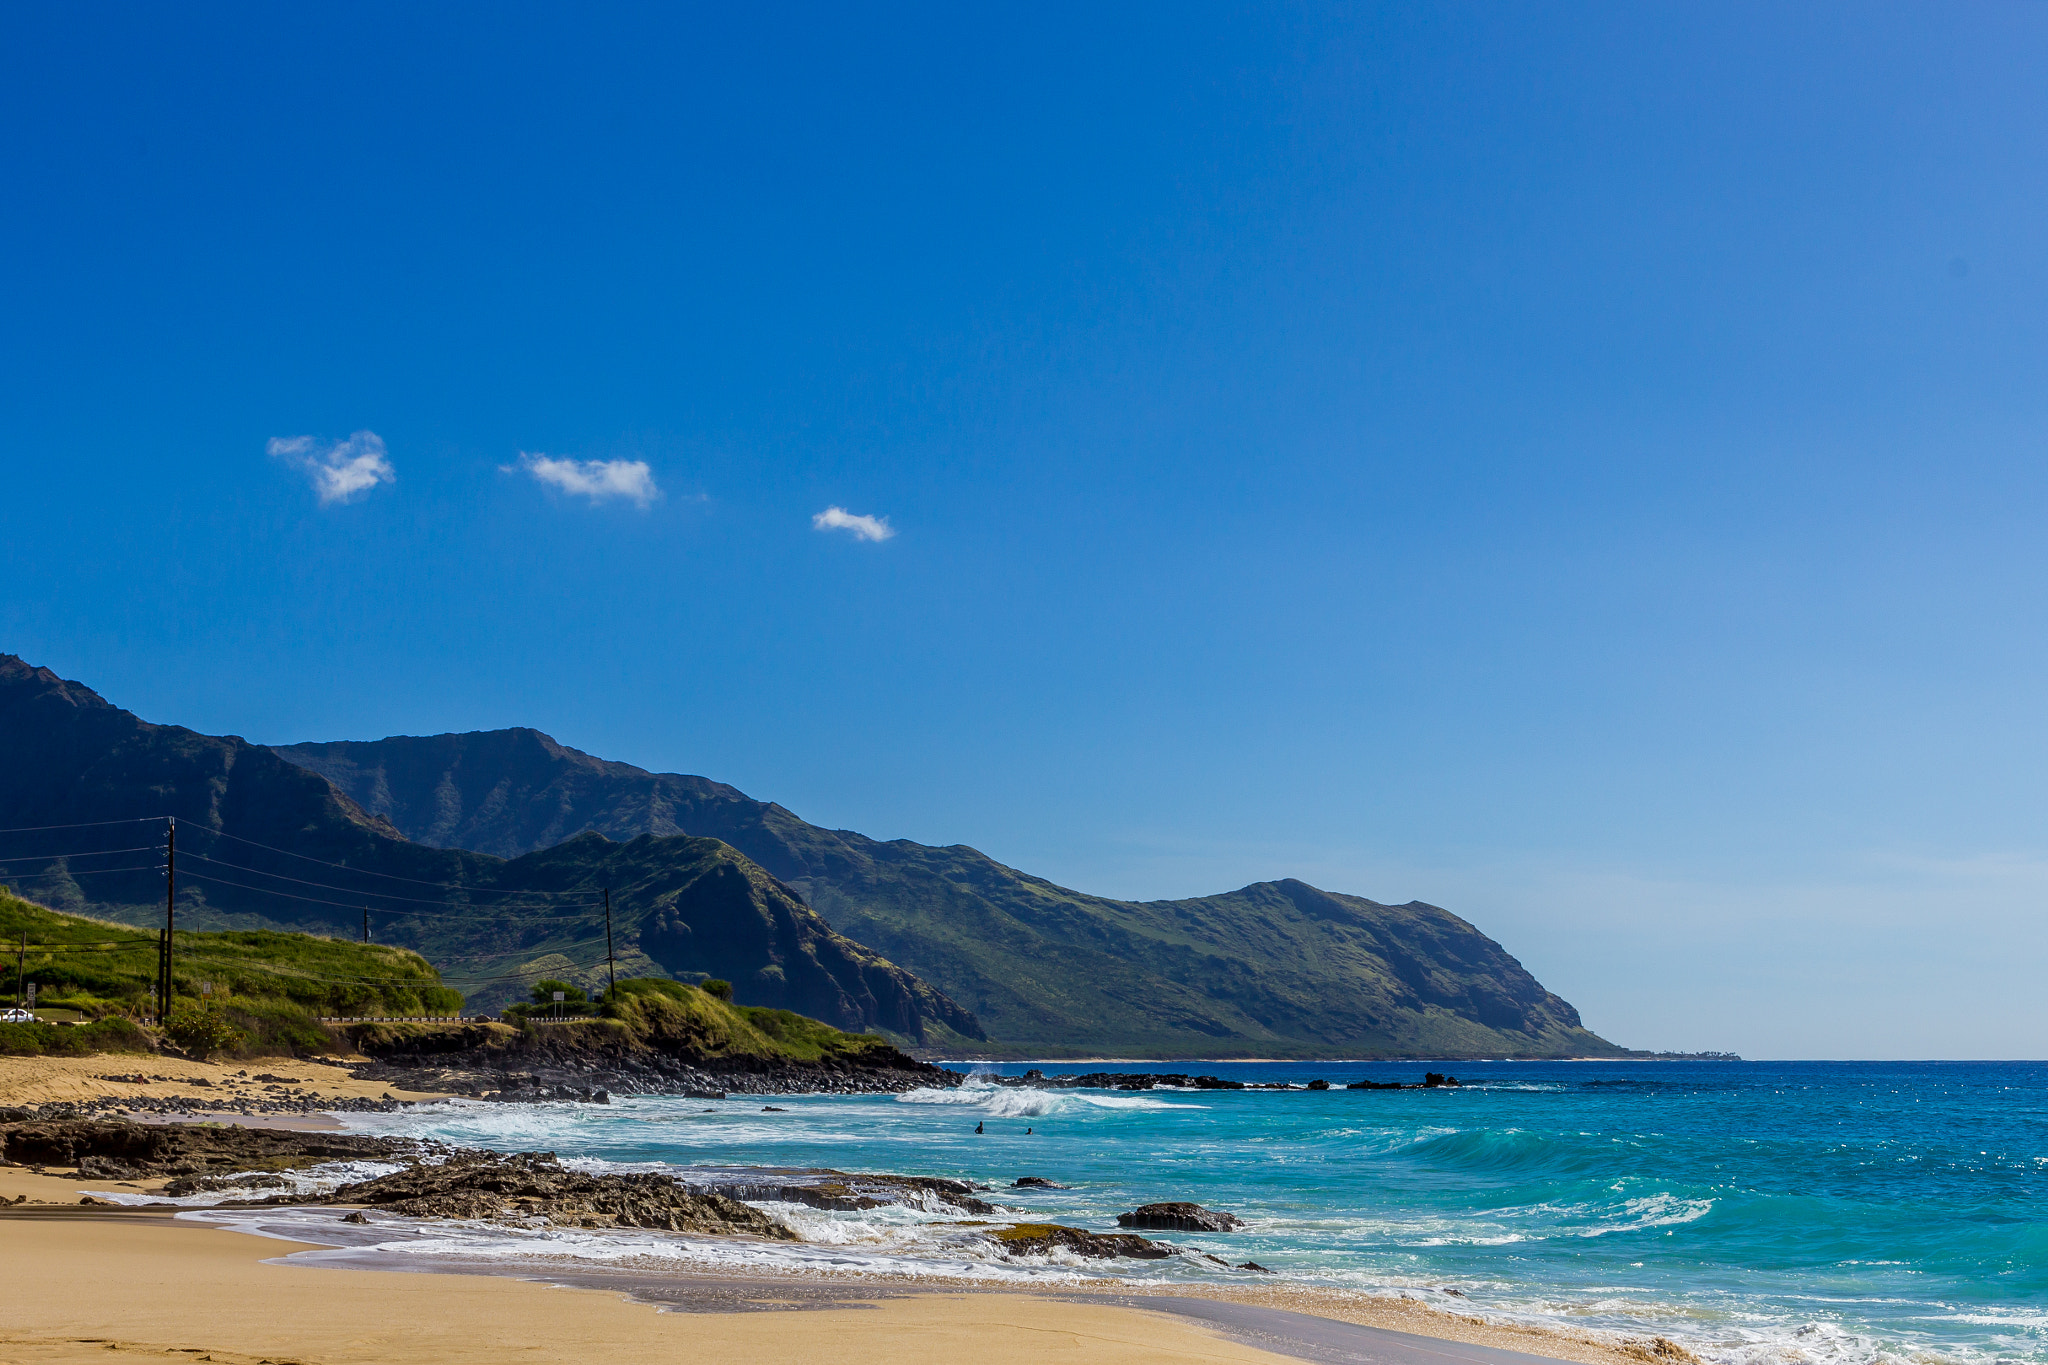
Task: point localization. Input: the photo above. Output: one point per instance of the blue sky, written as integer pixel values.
(1581, 466)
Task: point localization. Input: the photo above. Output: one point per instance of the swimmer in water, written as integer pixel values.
(977, 1127)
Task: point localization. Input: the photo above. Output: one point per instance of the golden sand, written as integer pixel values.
(119, 1289)
(71, 1080)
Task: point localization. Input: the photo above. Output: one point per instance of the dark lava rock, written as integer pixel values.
(827, 1189)
(107, 1168)
(1254, 1265)
(773, 1109)
(535, 1185)
(1180, 1217)
(1037, 1182)
(1039, 1239)
(1432, 1080)
(212, 1184)
(148, 1150)
(1035, 1079)
(1319, 1085)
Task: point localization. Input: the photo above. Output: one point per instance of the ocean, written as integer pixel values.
(1753, 1212)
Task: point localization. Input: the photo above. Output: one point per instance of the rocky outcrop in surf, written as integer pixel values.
(1042, 1239)
(1180, 1217)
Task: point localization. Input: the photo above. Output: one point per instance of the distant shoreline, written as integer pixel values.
(951, 1062)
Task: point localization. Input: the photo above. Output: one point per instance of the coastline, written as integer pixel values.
(48, 1226)
(55, 1238)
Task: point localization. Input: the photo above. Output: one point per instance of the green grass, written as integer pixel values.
(681, 1018)
(271, 987)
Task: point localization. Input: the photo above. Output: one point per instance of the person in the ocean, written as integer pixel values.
(977, 1128)
(1027, 1132)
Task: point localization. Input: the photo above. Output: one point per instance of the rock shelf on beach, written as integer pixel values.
(529, 1186)
(105, 1149)
(453, 1182)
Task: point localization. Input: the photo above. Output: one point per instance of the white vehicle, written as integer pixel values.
(17, 1017)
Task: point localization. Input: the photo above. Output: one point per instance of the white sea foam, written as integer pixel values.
(875, 1244)
(309, 1183)
(1012, 1102)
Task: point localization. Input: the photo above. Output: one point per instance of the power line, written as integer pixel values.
(385, 980)
(12, 877)
(386, 895)
(371, 872)
(479, 912)
(85, 824)
(89, 853)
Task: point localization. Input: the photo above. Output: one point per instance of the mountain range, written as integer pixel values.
(512, 840)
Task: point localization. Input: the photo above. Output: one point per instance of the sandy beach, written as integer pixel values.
(98, 1282)
(209, 1086)
(134, 1286)
(95, 1281)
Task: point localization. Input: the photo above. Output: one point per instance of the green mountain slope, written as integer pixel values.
(1277, 968)
(262, 842)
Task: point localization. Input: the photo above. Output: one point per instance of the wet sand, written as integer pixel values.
(132, 1286)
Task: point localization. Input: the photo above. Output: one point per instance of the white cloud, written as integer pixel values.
(863, 528)
(340, 472)
(597, 480)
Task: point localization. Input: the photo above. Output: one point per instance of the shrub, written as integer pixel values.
(105, 1035)
(201, 1030)
(714, 986)
(544, 993)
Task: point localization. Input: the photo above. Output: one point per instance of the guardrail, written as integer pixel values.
(405, 1019)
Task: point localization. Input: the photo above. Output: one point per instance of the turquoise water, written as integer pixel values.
(1754, 1211)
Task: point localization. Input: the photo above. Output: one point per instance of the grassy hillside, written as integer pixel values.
(1274, 969)
(686, 1021)
(268, 988)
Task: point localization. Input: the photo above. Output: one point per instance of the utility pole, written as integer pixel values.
(366, 924)
(20, 968)
(611, 963)
(170, 903)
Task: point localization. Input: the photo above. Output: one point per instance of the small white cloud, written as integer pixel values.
(340, 472)
(863, 528)
(597, 480)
